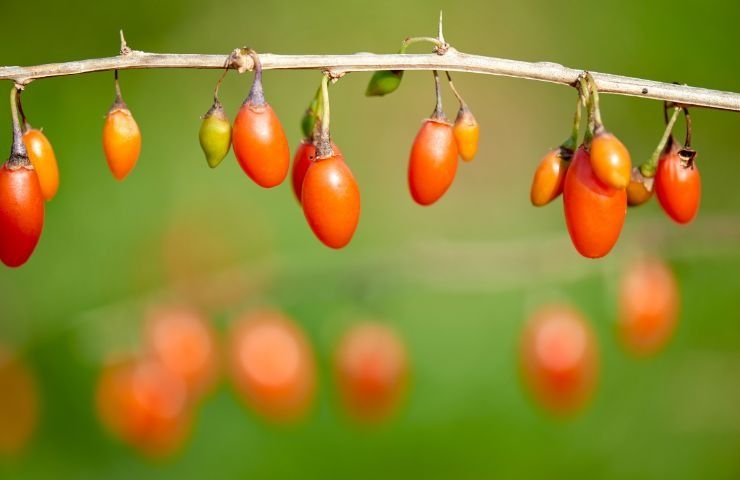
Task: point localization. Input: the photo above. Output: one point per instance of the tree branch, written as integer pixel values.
(451, 60)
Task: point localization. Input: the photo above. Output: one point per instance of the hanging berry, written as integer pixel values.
(642, 183)
(384, 82)
(433, 159)
(610, 159)
(465, 129)
(549, 178)
(306, 151)
(215, 130)
(304, 156)
(677, 179)
(121, 137)
(640, 189)
(41, 155)
(594, 211)
(330, 195)
(21, 200)
(258, 138)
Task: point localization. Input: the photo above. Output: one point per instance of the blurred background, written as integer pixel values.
(457, 280)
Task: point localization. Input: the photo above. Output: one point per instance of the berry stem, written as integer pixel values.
(598, 124)
(588, 102)
(649, 168)
(118, 102)
(323, 147)
(25, 126)
(438, 113)
(18, 155)
(463, 105)
(219, 82)
(572, 142)
(687, 117)
(256, 94)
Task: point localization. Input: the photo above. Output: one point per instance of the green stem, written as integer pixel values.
(649, 168)
(315, 110)
(323, 146)
(598, 124)
(572, 142)
(588, 103)
(18, 154)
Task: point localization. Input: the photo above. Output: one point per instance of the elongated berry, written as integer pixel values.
(215, 135)
(42, 157)
(384, 82)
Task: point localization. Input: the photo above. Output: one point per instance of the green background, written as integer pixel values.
(457, 279)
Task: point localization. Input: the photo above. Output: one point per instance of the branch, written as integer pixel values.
(451, 60)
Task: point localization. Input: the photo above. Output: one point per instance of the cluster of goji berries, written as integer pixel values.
(31, 175)
(596, 178)
(598, 182)
(559, 354)
(148, 399)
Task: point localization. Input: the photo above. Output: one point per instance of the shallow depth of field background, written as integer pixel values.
(457, 279)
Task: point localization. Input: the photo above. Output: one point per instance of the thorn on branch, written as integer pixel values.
(125, 50)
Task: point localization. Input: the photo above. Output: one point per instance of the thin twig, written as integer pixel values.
(452, 60)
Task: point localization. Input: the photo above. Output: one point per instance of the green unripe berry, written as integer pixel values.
(384, 82)
(215, 134)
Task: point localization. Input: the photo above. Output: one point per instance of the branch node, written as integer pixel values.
(240, 60)
(334, 75)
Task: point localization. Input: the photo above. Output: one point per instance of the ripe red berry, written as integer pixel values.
(559, 359)
(304, 156)
(260, 145)
(331, 200)
(21, 211)
(433, 161)
(594, 212)
(678, 186)
(258, 138)
(371, 369)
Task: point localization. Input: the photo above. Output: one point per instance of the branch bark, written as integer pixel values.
(451, 60)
